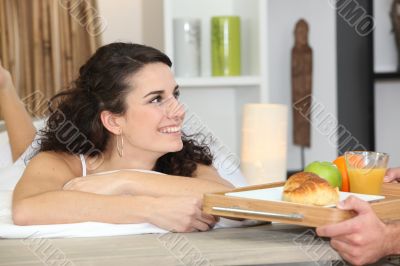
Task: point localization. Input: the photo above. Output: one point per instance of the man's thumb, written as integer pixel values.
(354, 203)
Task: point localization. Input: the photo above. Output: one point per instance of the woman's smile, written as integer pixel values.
(174, 130)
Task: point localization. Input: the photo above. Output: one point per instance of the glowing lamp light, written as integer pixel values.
(264, 143)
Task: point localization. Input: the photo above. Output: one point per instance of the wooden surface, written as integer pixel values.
(391, 189)
(276, 244)
(389, 209)
(265, 244)
(314, 216)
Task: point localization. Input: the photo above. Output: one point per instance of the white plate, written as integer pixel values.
(275, 194)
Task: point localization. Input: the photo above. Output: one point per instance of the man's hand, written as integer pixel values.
(392, 175)
(362, 239)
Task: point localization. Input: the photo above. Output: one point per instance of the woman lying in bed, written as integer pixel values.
(121, 113)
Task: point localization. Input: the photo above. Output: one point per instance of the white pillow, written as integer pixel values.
(10, 175)
(5, 153)
(236, 178)
(3, 138)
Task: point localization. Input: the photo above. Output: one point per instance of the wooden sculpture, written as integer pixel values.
(301, 85)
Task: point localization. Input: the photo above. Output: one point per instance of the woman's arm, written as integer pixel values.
(149, 184)
(210, 173)
(58, 207)
(20, 129)
(39, 199)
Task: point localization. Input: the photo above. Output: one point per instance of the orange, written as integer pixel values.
(341, 165)
(355, 160)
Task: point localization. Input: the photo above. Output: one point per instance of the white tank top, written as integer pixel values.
(83, 162)
(84, 173)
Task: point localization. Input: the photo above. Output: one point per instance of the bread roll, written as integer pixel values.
(308, 188)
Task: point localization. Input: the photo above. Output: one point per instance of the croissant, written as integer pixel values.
(308, 188)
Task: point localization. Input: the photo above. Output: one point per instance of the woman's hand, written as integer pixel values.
(362, 239)
(180, 214)
(392, 175)
(5, 78)
(177, 214)
(98, 184)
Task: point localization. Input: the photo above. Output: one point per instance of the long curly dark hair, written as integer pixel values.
(74, 125)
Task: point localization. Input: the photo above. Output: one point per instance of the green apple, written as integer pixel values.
(327, 171)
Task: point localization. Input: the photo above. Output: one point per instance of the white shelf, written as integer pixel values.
(218, 101)
(224, 82)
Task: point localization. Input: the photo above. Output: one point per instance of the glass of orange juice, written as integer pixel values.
(366, 170)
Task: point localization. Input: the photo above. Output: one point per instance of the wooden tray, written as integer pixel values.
(234, 207)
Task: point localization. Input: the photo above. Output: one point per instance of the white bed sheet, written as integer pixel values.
(87, 229)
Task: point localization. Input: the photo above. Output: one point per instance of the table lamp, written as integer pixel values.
(264, 143)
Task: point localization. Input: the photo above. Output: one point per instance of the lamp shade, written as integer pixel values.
(264, 143)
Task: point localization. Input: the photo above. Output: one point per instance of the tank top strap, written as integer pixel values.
(83, 162)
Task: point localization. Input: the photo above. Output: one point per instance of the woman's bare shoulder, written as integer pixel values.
(47, 171)
(58, 160)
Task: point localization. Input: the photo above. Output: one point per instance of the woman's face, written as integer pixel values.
(154, 117)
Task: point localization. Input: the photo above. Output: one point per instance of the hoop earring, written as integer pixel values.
(120, 148)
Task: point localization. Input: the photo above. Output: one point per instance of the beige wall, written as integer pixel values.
(139, 21)
(124, 20)
(153, 25)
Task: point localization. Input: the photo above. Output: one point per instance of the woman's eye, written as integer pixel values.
(177, 94)
(156, 99)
